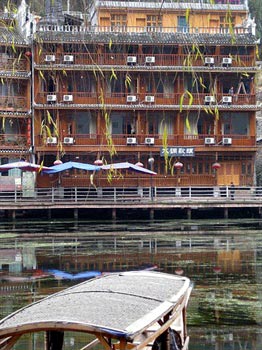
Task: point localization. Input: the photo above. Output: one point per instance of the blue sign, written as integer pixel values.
(178, 151)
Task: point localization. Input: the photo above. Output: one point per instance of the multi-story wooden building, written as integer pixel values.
(15, 90)
(166, 83)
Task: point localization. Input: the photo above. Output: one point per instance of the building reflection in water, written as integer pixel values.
(225, 307)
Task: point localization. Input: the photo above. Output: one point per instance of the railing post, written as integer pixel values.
(75, 191)
(114, 193)
(53, 195)
(15, 194)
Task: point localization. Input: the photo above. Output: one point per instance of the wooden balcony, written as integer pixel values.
(136, 62)
(13, 64)
(11, 103)
(76, 31)
(12, 140)
(121, 140)
(160, 100)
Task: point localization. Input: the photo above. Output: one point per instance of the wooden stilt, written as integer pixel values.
(152, 214)
(114, 213)
(76, 213)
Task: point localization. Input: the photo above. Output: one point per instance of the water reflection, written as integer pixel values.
(222, 258)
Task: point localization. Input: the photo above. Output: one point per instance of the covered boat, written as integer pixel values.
(129, 310)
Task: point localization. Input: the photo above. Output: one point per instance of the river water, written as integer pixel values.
(222, 258)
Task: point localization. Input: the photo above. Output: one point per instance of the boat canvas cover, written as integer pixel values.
(119, 304)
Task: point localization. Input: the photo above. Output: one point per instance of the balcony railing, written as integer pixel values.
(76, 30)
(12, 64)
(13, 102)
(212, 2)
(169, 195)
(141, 99)
(141, 140)
(7, 140)
(146, 60)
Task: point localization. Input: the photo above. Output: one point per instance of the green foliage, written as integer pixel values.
(256, 12)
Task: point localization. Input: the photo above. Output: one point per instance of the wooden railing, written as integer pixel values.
(75, 30)
(91, 98)
(12, 64)
(13, 102)
(121, 140)
(160, 195)
(138, 60)
(13, 140)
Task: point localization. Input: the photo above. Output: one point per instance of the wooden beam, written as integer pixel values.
(91, 344)
(9, 342)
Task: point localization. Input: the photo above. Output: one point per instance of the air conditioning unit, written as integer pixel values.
(150, 59)
(51, 140)
(150, 98)
(50, 58)
(68, 98)
(51, 98)
(227, 99)
(131, 98)
(227, 141)
(131, 59)
(69, 140)
(209, 60)
(209, 141)
(209, 99)
(68, 58)
(131, 141)
(149, 141)
(226, 60)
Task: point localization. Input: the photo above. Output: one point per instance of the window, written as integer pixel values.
(153, 21)
(159, 124)
(236, 124)
(118, 21)
(182, 25)
(84, 123)
(227, 22)
(123, 124)
(191, 124)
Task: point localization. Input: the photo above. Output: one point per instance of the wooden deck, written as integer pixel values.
(149, 200)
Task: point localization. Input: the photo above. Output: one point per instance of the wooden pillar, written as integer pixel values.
(189, 214)
(49, 213)
(260, 212)
(76, 213)
(114, 213)
(152, 214)
(13, 214)
(226, 213)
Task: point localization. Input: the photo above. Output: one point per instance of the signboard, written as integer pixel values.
(178, 151)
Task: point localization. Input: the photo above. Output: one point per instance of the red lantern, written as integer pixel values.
(178, 165)
(139, 164)
(28, 54)
(216, 166)
(58, 162)
(98, 162)
(217, 269)
(179, 271)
